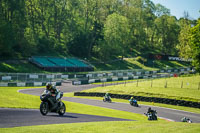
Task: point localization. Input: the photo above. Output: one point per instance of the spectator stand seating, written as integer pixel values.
(61, 64)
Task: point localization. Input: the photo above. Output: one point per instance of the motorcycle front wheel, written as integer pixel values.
(109, 100)
(62, 109)
(44, 108)
(104, 100)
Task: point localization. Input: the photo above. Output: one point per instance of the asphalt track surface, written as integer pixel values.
(28, 117)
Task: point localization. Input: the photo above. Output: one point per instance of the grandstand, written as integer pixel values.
(58, 64)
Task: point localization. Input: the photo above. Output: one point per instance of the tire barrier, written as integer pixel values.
(123, 76)
(142, 98)
(110, 75)
(24, 84)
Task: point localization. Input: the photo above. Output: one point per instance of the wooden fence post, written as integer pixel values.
(166, 84)
(103, 84)
(182, 84)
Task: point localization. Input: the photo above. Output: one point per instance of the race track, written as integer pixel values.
(28, 117)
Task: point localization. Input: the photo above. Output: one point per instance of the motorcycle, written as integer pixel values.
(186, 120)
(133, 103)
(151, 115)
(107, 99)
(49, 104)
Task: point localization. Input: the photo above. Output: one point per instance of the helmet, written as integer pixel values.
(53, 87)
(131, 97)
(48, 86)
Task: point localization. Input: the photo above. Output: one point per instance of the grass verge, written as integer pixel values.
(181, 88)
(111, 127)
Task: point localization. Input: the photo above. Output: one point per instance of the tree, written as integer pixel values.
(167, 32)
(194, 42)
(12, 26)
(161, 10)
(183, 46)
(116, 35)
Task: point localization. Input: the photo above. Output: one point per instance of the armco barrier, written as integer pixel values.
(109, 79)
(142, 98)
(23, 84)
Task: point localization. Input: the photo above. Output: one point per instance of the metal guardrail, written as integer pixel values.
(102, 76)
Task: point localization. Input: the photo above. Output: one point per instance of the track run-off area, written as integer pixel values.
(27, 117)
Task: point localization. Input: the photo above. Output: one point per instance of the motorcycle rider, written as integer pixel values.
(184, 119)
(48, 86)
(107, 96)
(133, 100)
(150, 110)
(54, 93)
(151, 113)
(51, 100)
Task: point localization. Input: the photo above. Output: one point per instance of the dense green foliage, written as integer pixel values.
(90, 28)
(38, 26)
(194, 42)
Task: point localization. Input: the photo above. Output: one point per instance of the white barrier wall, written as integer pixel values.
(147, 72)
(115, 79)
(103, 80)
(50, 76)
(3, 84)
(91, 81)
(110, 74)
(6, 78)
(37, 83)
(138, 73)
(77, 82)
(33, 76)
(21, 84)
(65, 76)
(154, 76)
(120, 74)
(125, 78)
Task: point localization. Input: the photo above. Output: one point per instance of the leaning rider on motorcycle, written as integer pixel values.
(133, 100)
(150, 110)
(53, 91)
(107, 96)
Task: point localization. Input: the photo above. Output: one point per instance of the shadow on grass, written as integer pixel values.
(116, 65)
(166, 64)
